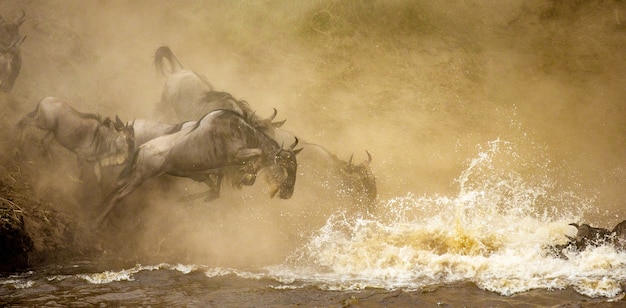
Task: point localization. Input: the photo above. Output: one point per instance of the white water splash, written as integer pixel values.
(494, 233)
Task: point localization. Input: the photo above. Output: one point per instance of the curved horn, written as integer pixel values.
(350, 160)
(369, 158)
(294, 144)
(575, 225)
(20, 19)
(278, 124)
(273, 115)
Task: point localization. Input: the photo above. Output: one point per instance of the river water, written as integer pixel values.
(485, 246)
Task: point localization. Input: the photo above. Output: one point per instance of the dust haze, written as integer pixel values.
(421, 85)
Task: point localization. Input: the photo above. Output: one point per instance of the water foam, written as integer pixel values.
(493, 233)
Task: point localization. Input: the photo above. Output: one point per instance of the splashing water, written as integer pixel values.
(493, 233)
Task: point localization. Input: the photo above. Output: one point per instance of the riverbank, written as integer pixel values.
(33, 232)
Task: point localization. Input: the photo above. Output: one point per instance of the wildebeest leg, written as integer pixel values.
(119, 190)
(46, 142)
(214, 186)
(7, 85)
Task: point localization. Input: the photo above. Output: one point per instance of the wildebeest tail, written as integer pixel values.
(165, 52)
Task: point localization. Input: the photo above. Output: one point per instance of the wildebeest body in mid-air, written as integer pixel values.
(183, 89)
(219, 139)
(10, 54)
(191, 96)
(95, 142)
(146, 130)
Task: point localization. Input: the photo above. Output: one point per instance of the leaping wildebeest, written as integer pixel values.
(96, 142)
(10, 54)
(191, 96)
(354, 181)
(184, 89)
(219, 140)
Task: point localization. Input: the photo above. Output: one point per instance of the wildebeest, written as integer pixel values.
(588, 236)
(146, 130)
(96, 142)
(191, 96)
(220, 139)
(10, 54)
(184, 89)
(346, 179)
(620, 235)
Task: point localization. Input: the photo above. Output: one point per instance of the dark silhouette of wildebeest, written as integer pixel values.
(220, 139)
(588, 236)
(10, 54)
(620, 235)
(356, 181)
(96, 142)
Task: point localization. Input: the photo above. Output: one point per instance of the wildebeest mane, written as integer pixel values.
(255, 127)
(212, 97)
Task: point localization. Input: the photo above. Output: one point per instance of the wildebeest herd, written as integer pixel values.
(213, 137)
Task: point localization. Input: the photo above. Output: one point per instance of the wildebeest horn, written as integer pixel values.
(369, 158)
(575, 225)
(20, 19)
(294, 143)
(350, 160)
(278, 124)
(570, 238)
(273, 115)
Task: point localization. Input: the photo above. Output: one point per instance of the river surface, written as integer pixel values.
(486, 246)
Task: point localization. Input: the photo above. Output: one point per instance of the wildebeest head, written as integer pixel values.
(10, 55)
(281, 175)
(360, 178)
(9, 33)
(122, 141)
(589, 236)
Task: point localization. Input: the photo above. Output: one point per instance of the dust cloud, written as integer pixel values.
(419, 84)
